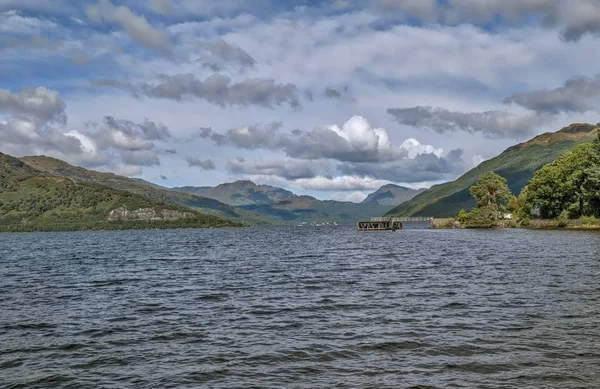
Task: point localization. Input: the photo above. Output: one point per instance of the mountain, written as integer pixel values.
(307, 209)
(285, 207)
(391, 195)
(517, 164)
(240, 193)
(32, 201)
(53, 167)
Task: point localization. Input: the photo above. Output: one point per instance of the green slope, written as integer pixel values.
(240, 193)
(517, 164)
(57, 168)
(30, 201)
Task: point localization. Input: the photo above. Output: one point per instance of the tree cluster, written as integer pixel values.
(569, 186)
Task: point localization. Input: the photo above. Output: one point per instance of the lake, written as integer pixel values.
(300, 307)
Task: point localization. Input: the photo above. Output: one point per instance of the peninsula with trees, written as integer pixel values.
(564, 193)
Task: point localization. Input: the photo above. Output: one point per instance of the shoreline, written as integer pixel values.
(536, 224)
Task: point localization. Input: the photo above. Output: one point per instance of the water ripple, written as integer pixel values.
(300, 308)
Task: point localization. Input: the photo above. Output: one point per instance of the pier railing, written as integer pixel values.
(401, 219)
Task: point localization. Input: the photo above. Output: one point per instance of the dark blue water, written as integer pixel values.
(300, 308)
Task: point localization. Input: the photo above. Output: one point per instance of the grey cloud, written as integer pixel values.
(218, 89)
(23, 131)
(163, 177)
(137, 27)
(127, 135)
(424, 167)
(573, 18)
(206, 164)
(320, 143)
(490, 123)
(147, 130)
(41, 103)
(139, 158)
(289, 169)
(332, 93)
(26, 136)
(577, 95)
(250, 137)
(223, 54)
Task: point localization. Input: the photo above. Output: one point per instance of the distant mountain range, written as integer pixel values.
(517, 164)
(43, 193)
(392, 195)
(240, 193)
(241, 201)
(283, 206)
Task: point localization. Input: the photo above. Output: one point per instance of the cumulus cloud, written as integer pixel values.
(423, 167)
(136, 26)
(39, 103)
(288, 169)
(413, 148)
(490, 123)
(216, 89)
(341, 183)
(221, 54)
(28, 127)
(206, 164)
(577, 95)
(147, 130)
(355, 141)
(353, 197)
(347, 158)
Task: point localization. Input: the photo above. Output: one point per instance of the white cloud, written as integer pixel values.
(413, 148)
(354, 197)
(341, 183)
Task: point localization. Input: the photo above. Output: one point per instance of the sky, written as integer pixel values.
(327, 98)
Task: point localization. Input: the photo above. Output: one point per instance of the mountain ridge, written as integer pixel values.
(33, 201)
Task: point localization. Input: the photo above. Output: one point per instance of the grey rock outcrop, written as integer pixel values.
(147, 214)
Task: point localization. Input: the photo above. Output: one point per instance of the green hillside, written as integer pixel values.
(56, 168)
(517, 164)
(31, 201)
(240, 193)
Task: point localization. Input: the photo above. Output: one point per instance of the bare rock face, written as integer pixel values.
(147, 214)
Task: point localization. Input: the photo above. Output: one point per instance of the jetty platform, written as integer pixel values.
(389, 223)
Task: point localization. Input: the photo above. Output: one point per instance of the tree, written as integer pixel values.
(490, 190)
(569, 183)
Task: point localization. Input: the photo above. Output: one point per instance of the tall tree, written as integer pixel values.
(490, 190)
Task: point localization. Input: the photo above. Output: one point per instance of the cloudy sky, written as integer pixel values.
(327, 98)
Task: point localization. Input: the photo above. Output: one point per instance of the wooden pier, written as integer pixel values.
(389, 223)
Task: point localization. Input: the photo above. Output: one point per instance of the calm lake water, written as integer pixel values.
(300, 308)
